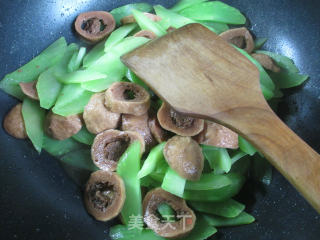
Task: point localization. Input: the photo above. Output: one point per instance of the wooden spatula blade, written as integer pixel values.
(199, 74)
(183, 68)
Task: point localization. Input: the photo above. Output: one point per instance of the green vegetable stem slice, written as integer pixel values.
(150, 164)
(80, 159)
(82, 76)
(214, 11)
(146, 24)
(266, 83)
(288, 80)
(282, 61)
(215, 26)
(246, 147)
(30, 71)
(211, 181)
(218, 158)
(242, 219)
(216, 195)
(174, 19)
(179, 183)
(72, 100)
(76, 59)
(61, 69)
(33, 117)
(48, 86)
(202, 230)
(60, 147)
(84, 136)
(95, 53)
(126, 10)
(128, 168)
(182, 4)
(229, 208)
(118, 35)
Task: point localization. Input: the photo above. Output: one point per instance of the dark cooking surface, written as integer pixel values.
(38, 200)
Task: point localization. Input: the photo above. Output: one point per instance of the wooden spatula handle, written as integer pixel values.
(297, 161)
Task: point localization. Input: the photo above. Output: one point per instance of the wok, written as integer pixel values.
(39, 201)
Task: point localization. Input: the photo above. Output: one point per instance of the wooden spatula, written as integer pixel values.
(201, 75)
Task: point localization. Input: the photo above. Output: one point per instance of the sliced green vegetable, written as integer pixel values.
(118, 35)
(246, 147)
(179, 183)
(95, 53)
(100, 85)
(267, 85)
(30, 71)
(72, 100)
(33, 116)
(216, 221)
(182, 4)
(128, 168)
(82, 76)
(48, 88)
(109, 64)
(175, 20)
(259, 42)
(80, 159)
(214, 11)
(126, 10)
(288, 80)
(218, 158)
(147, 24)
(84, 136)
(228, 208)
(211, 181)
(261, 170)
(202, 230)
(150, 164)
(76, 59)
(60, 147)
(11, 87)
(61, 69)
(282, 61)
(216, 195)
(215, 26)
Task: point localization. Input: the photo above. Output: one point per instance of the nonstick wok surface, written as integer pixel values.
(39, 201)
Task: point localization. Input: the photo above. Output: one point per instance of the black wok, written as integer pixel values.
(39, 201)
